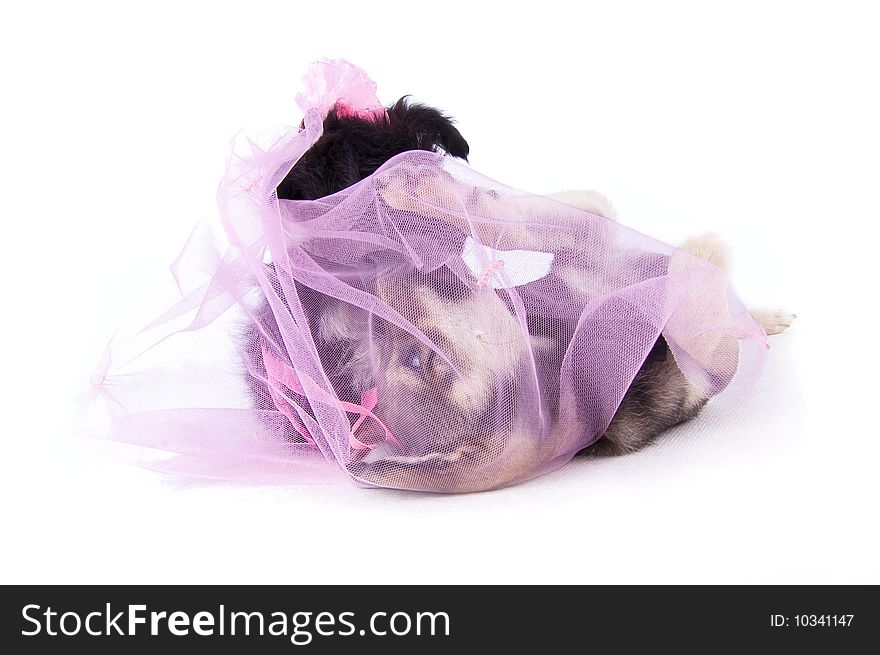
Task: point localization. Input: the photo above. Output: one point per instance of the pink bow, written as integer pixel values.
(489, 271)
(330, 82)
(279, 374)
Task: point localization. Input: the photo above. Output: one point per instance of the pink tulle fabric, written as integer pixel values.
(330, 82)
(426, 329)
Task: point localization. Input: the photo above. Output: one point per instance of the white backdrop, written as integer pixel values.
(758, 121)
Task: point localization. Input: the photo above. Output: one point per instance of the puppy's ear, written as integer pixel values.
(328, 166)
(429, 127)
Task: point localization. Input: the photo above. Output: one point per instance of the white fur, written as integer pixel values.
(711, 247)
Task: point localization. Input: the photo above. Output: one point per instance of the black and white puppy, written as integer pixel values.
(349, 150)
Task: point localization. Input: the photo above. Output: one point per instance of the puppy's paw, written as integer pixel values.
(774, 321)
(711, 247)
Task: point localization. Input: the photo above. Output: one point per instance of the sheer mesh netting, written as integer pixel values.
(424, 329)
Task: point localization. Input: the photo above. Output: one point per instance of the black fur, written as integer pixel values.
(352, 148)
(653, 403)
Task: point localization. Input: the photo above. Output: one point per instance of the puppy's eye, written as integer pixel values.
(412, 359)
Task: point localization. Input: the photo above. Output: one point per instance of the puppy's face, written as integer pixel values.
(476, 346)
(450, 397)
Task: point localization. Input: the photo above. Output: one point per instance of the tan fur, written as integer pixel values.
(489, 342)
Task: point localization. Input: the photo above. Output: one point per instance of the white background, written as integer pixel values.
(758, 121)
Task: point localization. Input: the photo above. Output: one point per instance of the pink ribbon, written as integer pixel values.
(279, 373)
(489, 271)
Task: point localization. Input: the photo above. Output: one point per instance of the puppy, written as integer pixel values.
(450, 406)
